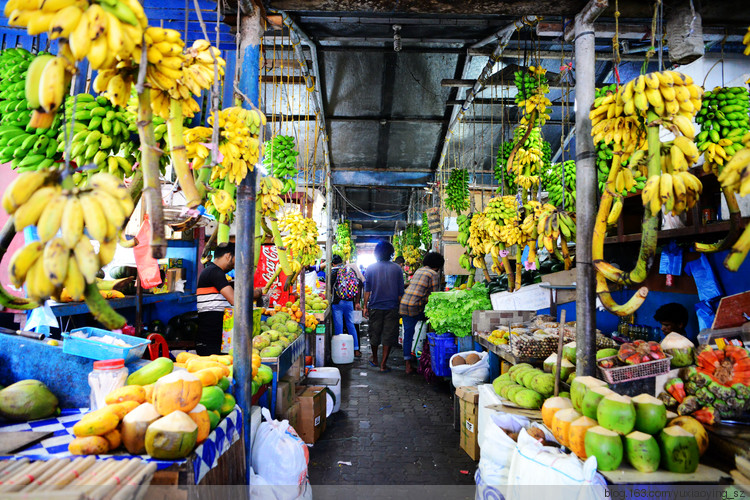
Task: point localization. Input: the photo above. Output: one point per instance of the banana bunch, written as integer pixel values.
(531, 82)
(553, 224)
(464, 226)
(412, 256)
(222, 201)
(269, 193)
(457, 190)
(667, 93)
(343, 245)
(504, 176)
(464, 261)
(238, 146)
(552, 182)
(746, 42)
(675, 192)
(302, 238)
(69, 260)
(478, 234)
(502, 220)
(281, 159)
(604, 155)
(26, 147)
(502, 208)
(736, 173)
(99, 130)
(531, 152)
(724, 121)
(533, 210)
(425, 233)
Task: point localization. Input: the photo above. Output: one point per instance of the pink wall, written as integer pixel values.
(7, 174)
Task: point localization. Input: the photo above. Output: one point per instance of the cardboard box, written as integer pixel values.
(292, 415)
(469, 405)
(311, 421)
(285, 395)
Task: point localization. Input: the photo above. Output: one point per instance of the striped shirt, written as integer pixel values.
(424, 281)
(210, 283)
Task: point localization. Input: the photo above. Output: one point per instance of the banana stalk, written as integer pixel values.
(101, 310)
(222, 232)
(632, 305)
(204, 177)
(135, 189)
(735, 224)
(150, 165)
(508, 269)
(519, 269)
(275, 275)
(519, 144)
(179, 155)
(280, 248)
(258, 231)
(472, 273)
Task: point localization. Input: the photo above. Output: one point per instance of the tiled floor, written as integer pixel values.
(394, 429)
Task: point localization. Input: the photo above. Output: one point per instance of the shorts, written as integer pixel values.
(383, 327)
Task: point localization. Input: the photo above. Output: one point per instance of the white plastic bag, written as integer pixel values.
(470, 375)
(280, 457)
(497, 449)
(260, 488)
(565, 475)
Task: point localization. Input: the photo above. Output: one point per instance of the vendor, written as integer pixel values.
(215, 293)
(673, 318)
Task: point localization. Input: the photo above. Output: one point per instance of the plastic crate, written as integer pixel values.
(98, 350)
(442, 347)
(627, 373)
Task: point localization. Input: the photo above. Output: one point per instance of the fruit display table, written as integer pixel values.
(203, 463)
(281, 365)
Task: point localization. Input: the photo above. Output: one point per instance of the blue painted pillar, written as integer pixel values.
(249, 64)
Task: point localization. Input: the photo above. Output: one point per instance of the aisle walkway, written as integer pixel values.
(393, 428)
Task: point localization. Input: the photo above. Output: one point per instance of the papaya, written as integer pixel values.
(151, 372)
(184, 356)
(149, 392)
(122, 409)
(209, 376)
(177, 391)
(127, 393)
(195, 364)
(96, 423)
(227, 405)
(199, 414)
(89, 445)
(224, 383)
(214, 418)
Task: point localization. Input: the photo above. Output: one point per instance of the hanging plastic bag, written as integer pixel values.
(41, 319)
(705, 279)
(706, 312)
(470, 375)
(148, 267)
(671, 260)
(280, 456)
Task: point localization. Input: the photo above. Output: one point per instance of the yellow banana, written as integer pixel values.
(52, 85)
(685, 126)
(72, 222)
(665, 191)
(79, 40)
(22, 260)
(55, 261)
(28, 213)
(74, 282)
(652, 81)
(87, 260)
(65, 21)
(21, 189)
(49, 219)
(94, 219)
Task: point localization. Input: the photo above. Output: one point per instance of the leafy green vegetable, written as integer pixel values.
(452, 311)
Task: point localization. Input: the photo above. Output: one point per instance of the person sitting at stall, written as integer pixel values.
(673, 318)
(215, 293)
(425, 281)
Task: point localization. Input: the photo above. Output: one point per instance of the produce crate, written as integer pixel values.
(628, 373)
(92, 349)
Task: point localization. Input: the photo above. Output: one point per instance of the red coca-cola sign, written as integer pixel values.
(267, 264)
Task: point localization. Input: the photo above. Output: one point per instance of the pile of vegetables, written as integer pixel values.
(450, 312)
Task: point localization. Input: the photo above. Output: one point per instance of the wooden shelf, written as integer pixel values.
(681, 232)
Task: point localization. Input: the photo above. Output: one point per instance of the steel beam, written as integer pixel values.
(374, 178)
(586, 187)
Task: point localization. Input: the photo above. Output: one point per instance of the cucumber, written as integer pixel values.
(151, 372)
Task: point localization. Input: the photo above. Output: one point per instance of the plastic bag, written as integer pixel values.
(470, 375)
(705, 280)
(706, 312)
(148, 267)
(497, 449)
(670, 261)
(261, 488)
(41, 319)
(280, 456)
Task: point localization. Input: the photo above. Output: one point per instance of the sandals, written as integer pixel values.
(357, 354)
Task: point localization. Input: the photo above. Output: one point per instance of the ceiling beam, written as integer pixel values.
(377, 178)
(551, 54)
(385, 121)
(636, 31)
(451, 82)
(505, 101)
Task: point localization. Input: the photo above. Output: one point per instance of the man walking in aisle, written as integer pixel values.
(384, 286)
(425, 281)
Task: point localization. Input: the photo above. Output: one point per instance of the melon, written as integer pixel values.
(650, 414)
(695, 428)
(519, 366)
(529, 376)
(577, 435)
(518, 374)
(506, 388)
(679, 450)
(592, 399)
(511, 393)
(616, 413)
(528, 399)
(171, 437)
(606, 446)
(199, 414)
(544, 384)
(642, 451)
(579, 387)
(498, 384)
(178, 391)
(134, 425)
(680, 348)
(569, 352)
(605, 353)
(552, 406)
(561, 424)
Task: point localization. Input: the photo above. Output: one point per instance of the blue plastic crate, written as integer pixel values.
(100, 351)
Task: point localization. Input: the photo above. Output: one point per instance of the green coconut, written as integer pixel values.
(550, 363)
(171, 437)
(680, 348)
(592, 399)
(679, 450)
(27, 400)
(580, 385)
(606, 446)
(642, 451)
(569, 352)
(616, 413)
(650, 414)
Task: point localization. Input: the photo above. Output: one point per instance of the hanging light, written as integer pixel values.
(397, 38)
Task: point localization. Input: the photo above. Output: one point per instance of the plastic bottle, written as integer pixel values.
(106, 376)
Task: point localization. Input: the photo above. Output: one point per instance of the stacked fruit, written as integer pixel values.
(98, 131)
(505, 178)
(27, 148)
(281, 159)
(596, 421)
(457, 190)
(238, 145)
(723, 120)
(161, 411)
(425, 233)
(526, 386)
(479, 239)
(553, 183)
(52, 262)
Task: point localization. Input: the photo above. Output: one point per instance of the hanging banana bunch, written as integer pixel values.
(457, 190)
(668, 99)
(531, 99)
(343, 244)
(281, 159)
(301, 241)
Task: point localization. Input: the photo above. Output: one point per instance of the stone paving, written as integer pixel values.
(394, 428)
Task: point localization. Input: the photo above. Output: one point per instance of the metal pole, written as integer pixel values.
(585, 187)
(249, 59)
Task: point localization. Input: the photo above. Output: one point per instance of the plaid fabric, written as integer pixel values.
(424, 281)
